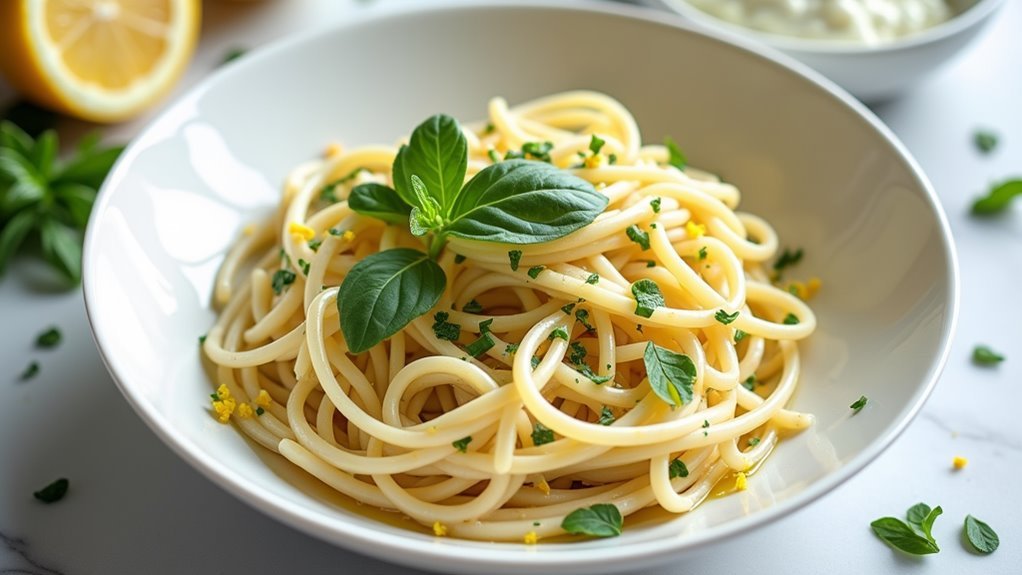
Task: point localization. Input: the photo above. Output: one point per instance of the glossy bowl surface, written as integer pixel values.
(813, 161)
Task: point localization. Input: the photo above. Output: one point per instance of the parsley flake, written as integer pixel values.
(30, 371)
(606, 416)
(444, 329)
(462, 444)
(677, 468)
(985, 141)
(515, 256)
(559, 333)
(791, 319)
(541, 434)
(472, 307)
(857, 406)
(637, 235)
(593, 279)
(281, 279)
(534, 271)
(647, 297)
(655, 204)
(724, 317)
(49, 338)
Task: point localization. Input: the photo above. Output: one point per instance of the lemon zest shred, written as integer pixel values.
(263, 399)
(694, 230)
(959, 462)
(530, 538)
(245, 410)
(741, 481)
(439, 529)
(301, 230)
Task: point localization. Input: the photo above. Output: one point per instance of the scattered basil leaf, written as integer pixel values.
(985, 141)
(637, 235)
(566, 308)
(593, 279)
(671, 375)
(702, 253)
(281, 279)
(534, 271)
(647, 297)
(787, 259)
(538, 150)
(577, 353)
(997, 199)
(380, 202)
(926, 525)
(857, 406)
(600, 520)
(30, 371)
(897, 534)
(53, 492)
(655, 204)
(49, 338)
(515, 257)
(606, 416)
(523, 202)
(593, 376)
(984, 355)
(740, 335)
(472, 307)
(982, 537)
(384, 292)
(541, 434)
(677, 468)
(724, 317)
(675, 157)
(791, 319)
(559, 333)
(596, 144)
(481, 345)
(583, 318)
(750, 382)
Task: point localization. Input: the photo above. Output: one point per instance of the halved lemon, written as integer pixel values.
(101, 60)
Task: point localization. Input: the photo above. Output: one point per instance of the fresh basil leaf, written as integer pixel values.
(984, 355)
(998, 199)
(917, 513)
(647, 297)
(671, 375)
(437, 152)
(62, 248)
(380, 202)
(523, 202)
(981, 536)
(384, 292)
(14, 232)
(897, 534)
(600, 520)
(927, 524)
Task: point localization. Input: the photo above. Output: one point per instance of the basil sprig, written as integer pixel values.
(913, 537)
(512, 202)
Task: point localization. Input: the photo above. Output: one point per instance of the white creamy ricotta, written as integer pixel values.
(866, 21)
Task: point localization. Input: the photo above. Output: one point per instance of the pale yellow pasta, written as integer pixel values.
(417, 425)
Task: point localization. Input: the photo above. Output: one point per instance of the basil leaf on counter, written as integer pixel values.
(998, 199)
(981, 536)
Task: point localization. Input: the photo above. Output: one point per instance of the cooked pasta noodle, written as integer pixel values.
(388, 427)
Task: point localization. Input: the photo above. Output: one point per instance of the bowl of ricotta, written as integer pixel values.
(875, 49)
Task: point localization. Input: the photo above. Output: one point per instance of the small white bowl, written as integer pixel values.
(870, 72)
(809, 158)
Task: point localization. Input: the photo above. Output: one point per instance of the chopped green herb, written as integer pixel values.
(740, 335)
(260, 411)
(612, 159)
(202, 339)
(655, 204)
(593, 279)
(515, 256)
(462, 444)
(651, 263)
(314, 244)
(336, 232)
(49, 338)
(982, 537)
(857, 406)
(606, 416)
(638, 328)
(489, 128)
(494, 156)
(541, 434)
(458, 258)
(444, 329)
(706, 423)
(753, 441)
(750, 382)
(702, 253)
(578, 353)
(675, 157)
(304, 265)
(647, 297)
(787, 259)
(472, 307)
(31, 371)
(593, 376)
(998, 199)
(985, 141)
(724, 317)
(984, 355)
(566, 308)
(677, 468)
(600, 520)
(282, 279)
(510, 349)
(232, 54)
(481, 345)
(559, 333)
(596, 144)
(671, 375)
(534, 362)
(53, 492)
(637, 235)
(534, 271)
(791, 319)
(329, 193)
(538, 150)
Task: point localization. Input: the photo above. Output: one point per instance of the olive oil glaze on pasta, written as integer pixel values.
(634, 362)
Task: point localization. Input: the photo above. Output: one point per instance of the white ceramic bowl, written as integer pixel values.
(811, 159)
(871, 73)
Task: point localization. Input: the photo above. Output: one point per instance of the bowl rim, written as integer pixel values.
(407, 550)
(973, 15)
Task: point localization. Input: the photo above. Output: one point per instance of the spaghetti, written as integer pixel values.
(559, 413)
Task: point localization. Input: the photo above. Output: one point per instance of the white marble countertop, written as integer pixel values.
(134, 507)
